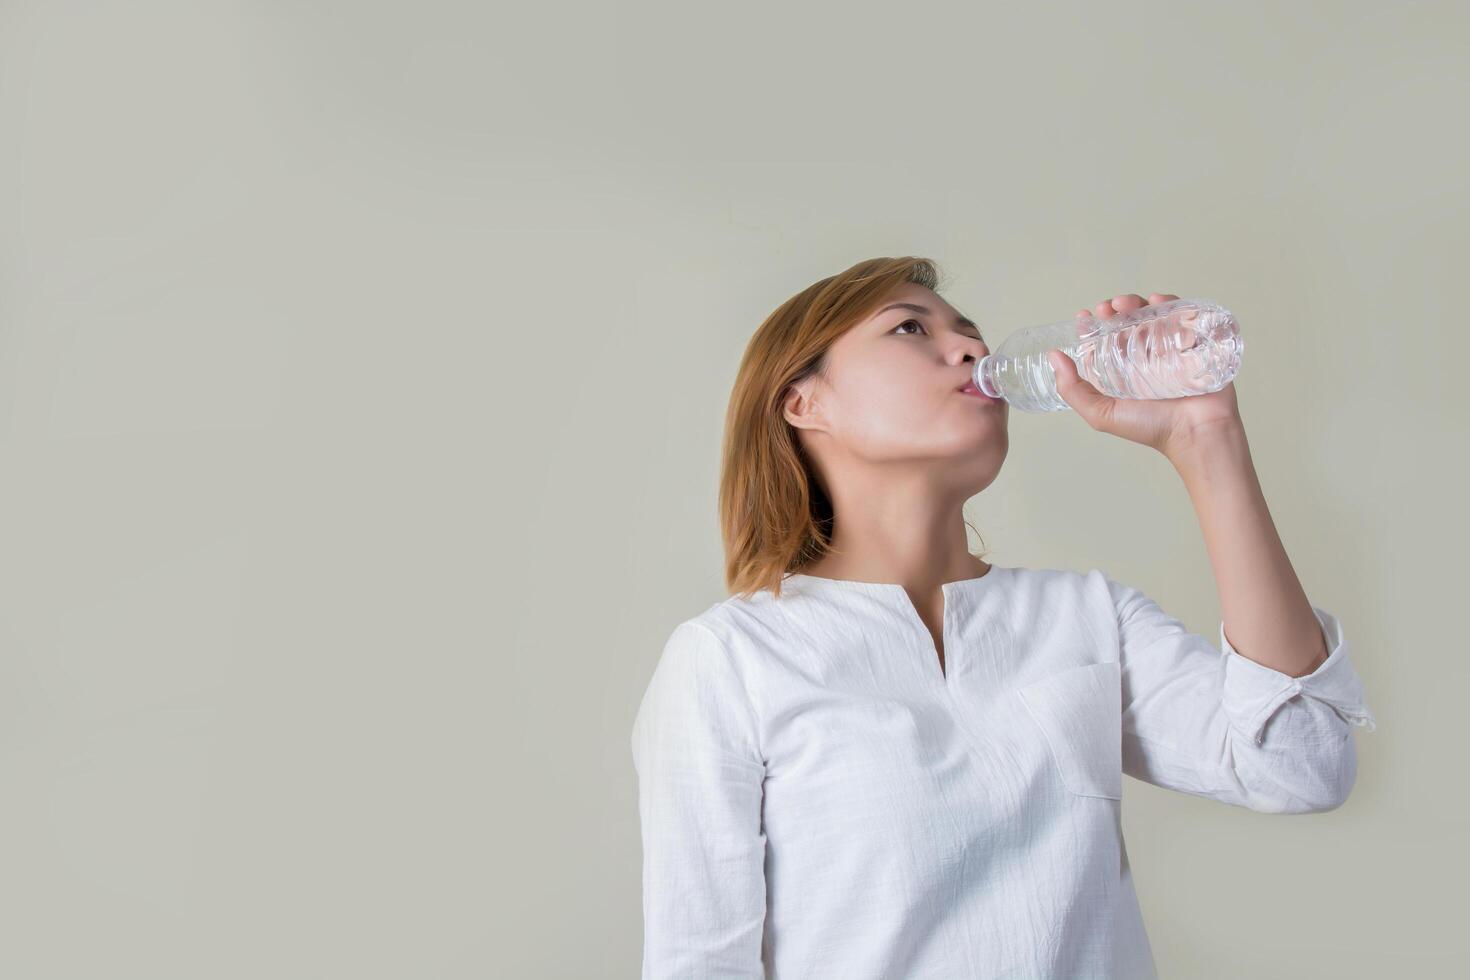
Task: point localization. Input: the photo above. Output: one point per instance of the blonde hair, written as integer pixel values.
(775, 515)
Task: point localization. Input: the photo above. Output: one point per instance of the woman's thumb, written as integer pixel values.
(1083, 397)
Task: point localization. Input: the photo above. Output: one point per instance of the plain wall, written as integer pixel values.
(362, 375)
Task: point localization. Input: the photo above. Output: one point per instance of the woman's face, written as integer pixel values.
(891, 393)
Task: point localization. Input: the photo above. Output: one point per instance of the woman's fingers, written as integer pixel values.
(1126, 303)
(1122, 303)
(1085, 326)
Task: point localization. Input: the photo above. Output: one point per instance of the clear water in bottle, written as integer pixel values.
(1177, 348)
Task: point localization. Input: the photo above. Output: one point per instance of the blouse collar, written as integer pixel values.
(817, 581)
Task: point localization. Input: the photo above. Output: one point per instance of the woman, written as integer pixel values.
(884, 757)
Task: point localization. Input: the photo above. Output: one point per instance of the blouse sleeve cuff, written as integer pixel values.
(1254, 691)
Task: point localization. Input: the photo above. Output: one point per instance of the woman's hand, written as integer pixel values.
(1166, 424)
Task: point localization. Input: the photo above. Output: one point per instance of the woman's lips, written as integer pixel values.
(970, 389)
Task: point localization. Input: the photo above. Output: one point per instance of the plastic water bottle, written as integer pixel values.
(1177, 348)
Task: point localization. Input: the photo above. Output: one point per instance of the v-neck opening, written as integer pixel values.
(945, 604)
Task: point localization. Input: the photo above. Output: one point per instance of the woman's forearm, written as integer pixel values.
(1266, 613)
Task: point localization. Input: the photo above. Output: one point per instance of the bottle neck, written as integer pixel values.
(982, 379)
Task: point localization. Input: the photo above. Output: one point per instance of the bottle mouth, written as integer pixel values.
(980, 378)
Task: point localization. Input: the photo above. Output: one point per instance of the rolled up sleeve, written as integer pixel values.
(700, 773)
(1255, 692)
(1211, 722)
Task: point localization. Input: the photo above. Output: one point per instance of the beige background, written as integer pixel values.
(362, 373)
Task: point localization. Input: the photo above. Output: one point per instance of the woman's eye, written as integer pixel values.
(921, 327)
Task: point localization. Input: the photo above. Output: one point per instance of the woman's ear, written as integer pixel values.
(798, 407)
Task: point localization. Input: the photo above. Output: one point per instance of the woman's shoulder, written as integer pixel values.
(746, 626)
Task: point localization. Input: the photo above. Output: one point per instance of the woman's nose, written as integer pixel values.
(971, 348)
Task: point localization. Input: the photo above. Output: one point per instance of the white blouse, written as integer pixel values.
(819, 799)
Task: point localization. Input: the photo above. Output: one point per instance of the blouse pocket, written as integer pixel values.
(1080, 713)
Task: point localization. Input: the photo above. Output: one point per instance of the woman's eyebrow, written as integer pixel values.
(963, 321)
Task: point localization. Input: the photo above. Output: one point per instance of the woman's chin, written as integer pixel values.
(985, 450)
